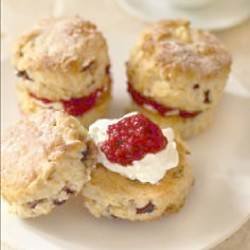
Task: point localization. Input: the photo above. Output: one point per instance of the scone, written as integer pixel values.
(176, 75)
(141, 171)
(45, 159)
(63, 64)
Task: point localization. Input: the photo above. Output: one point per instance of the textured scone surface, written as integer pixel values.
(179, 66)
(45, 159)
(112, 195)
(62, 58)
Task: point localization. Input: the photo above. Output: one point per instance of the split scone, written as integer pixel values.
(141, 170)
(45, 159)
(176, 75)
(63, 64)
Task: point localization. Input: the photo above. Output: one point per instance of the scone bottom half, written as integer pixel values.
(176, 75)
(45, 159)
(63, 64)
(112, 194)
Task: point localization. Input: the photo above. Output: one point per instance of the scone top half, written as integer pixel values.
(46, 158)
(178, 67)
(62, 58)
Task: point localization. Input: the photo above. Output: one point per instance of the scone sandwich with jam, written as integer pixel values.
(63, 64)
(176, 75)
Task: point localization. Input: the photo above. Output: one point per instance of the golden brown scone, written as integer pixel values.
(113, 195)
(46, 158)
(179, 68)
(63, 59)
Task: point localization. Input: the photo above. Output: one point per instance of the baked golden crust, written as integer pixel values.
(55, 43)
(62, 58)
(113, 195)
(42, 162)
(176, 64)
(176, 47)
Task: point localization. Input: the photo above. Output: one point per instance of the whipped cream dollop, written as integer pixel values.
(151, 168)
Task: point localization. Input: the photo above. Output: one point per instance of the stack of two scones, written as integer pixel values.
(134, 167)
(63, 64)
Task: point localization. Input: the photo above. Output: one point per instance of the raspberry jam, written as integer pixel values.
(163, 110)
(76, 106)
(131, 139)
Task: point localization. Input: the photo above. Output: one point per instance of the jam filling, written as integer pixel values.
(162, 110)
(76, 106)
(131, 139)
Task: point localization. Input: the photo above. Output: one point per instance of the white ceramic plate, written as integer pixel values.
(218, 205)
(220, 14)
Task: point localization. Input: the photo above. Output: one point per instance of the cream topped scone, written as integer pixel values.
(45, 159)
(176, 75)
(141, 170)
(63, 64)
